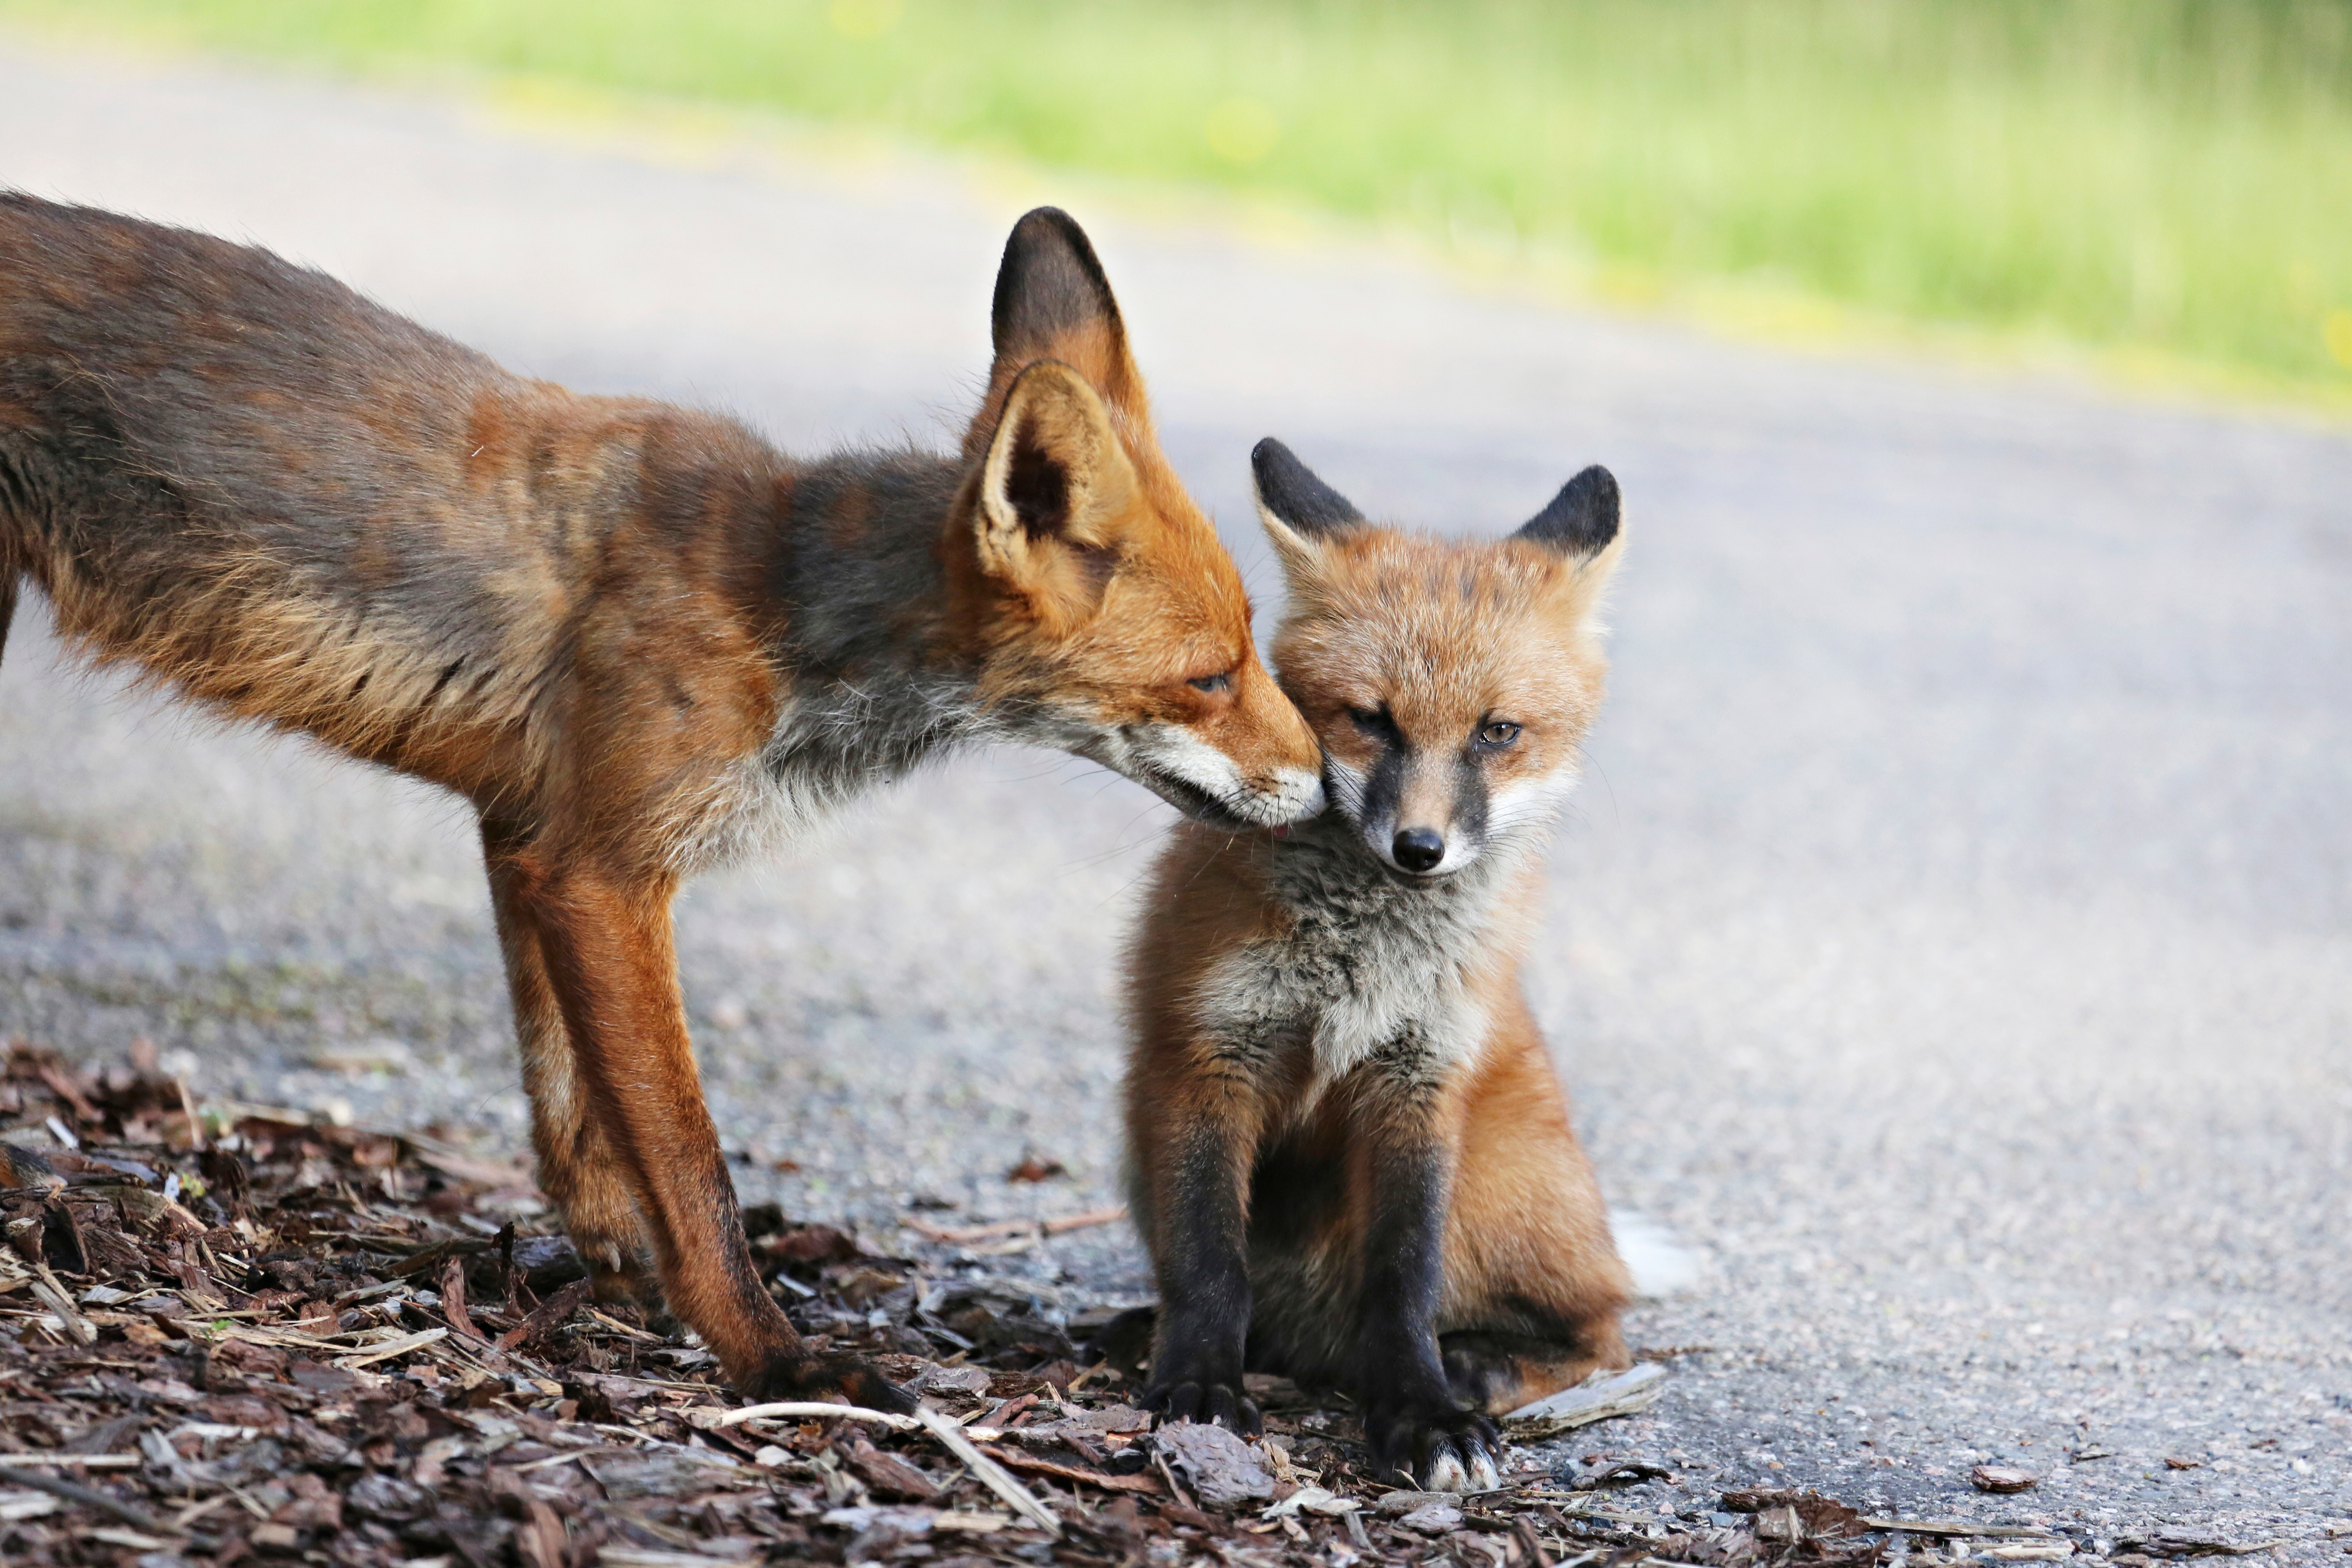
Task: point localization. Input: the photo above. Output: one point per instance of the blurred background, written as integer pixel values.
(1951, 949)
(2162, 183)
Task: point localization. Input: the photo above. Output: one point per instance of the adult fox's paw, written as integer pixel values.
(1441, 1447)
(848, 1377)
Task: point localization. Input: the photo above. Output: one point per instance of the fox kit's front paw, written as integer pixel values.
(849, 1378)
(1203, 1388)
(1441, 1447)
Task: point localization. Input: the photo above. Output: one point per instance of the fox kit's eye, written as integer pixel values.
(1223, 682)
(1375, 722)
(1499, 733)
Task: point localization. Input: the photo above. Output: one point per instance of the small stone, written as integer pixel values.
(1997, 1477)
(971, 1380)
(1434, 1519)
(1221, 1468)
(1399, 1503)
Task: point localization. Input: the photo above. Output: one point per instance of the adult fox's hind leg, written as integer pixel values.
(578, 1166)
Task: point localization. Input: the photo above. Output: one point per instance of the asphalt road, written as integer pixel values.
(1952, 946)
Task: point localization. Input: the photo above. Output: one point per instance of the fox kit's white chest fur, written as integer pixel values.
(1369, 966)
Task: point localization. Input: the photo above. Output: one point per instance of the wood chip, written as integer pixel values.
(796, 1410)
(390, 1348)
(1601, 1398)
(1016, 1459)
(545, 1316)
(1959, 1527)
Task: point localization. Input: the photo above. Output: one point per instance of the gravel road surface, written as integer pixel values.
(1951, 949)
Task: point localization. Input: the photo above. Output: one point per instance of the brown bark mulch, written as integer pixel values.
(233, 1334)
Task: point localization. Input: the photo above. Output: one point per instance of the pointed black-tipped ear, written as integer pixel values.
(1582, 519)
(1053, 302)
(1050, 286)
(1290, 489)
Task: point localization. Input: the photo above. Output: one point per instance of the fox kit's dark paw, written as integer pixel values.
(1211, 1395)
(1441, 1447)
(849, 1378)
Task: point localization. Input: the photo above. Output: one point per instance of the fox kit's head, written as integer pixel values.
(1106, 618)
(1452, 682)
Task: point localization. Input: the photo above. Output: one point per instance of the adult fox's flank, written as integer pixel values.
(1351, 1158)
(637, 639)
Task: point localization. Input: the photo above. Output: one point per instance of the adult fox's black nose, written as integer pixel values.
(1418, 848)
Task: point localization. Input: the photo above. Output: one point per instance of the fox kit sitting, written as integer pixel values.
(1351, 1156)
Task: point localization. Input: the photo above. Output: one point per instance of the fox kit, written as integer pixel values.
(637, 639)
(1351, 1158)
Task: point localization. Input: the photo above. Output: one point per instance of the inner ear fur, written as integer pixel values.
(1054, 302)
(1054, 490)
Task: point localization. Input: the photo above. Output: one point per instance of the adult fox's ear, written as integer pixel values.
(1300, 512)
(1052, 492)
(1053, 302)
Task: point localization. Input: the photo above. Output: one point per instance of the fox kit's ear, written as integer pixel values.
(1582, 520)
(1052, 492)
(1053, 302)
(1580, 525)
(1299, 511)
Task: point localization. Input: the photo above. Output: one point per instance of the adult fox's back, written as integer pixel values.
(636, 638)
(298, 505)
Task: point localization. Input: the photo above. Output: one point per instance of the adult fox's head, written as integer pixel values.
(1452, 682)
(1107, 618)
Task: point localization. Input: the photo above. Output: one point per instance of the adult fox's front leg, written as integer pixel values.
(609, 953)
(578, 1167)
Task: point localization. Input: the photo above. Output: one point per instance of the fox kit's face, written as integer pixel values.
(1451, 684)
(1107, 618)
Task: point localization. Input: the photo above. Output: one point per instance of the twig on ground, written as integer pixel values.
(995, 1476)
(1000, 1230)
(91, 1496)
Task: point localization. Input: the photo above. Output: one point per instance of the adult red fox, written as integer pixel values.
(1351, 1158)
(637, 639)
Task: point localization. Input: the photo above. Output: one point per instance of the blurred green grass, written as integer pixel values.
(2166, 179)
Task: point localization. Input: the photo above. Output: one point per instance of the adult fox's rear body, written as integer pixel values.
(636, 638)
(1352, 1157)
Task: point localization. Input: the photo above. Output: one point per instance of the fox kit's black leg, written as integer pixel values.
(1199, 1209)
(7, 601)
(1411, 1419)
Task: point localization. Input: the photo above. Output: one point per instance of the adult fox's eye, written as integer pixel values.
(1499, 734)
(1216, 682)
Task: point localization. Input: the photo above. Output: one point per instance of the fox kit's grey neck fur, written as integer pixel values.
(1337, 893)
(1372, 964)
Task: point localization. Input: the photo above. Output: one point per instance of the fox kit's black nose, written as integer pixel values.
(1418, 848)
